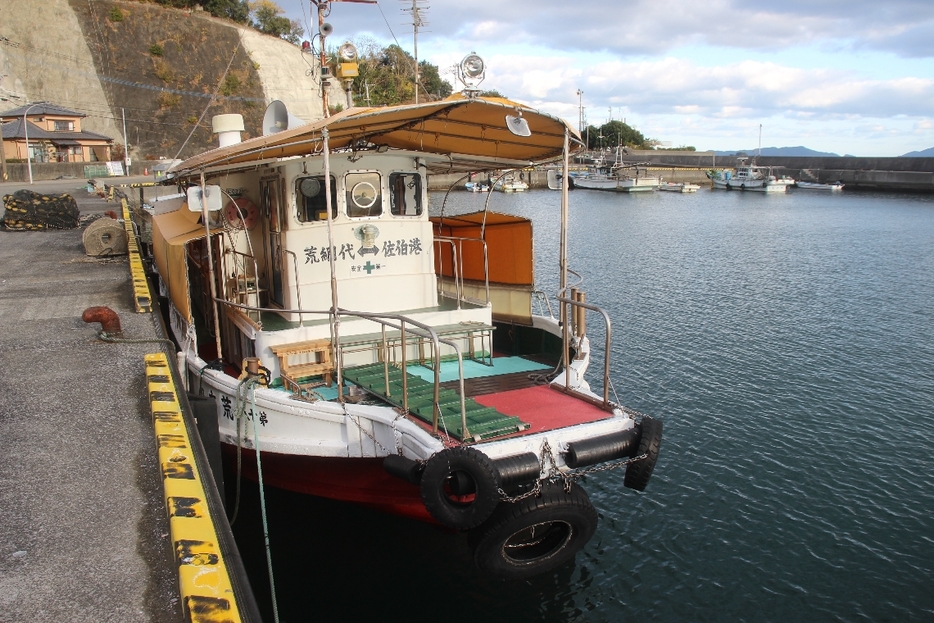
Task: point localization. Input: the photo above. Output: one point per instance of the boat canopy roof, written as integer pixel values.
(467, 134)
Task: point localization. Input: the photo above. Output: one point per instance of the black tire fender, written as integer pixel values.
(638, 473)
(534, 535)
(460, 487)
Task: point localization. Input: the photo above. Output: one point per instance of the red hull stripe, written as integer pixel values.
(362, 481)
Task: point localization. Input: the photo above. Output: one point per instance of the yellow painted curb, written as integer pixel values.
(141, 295)
(203, 581)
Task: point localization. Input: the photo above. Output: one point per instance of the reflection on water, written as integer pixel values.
(786, 341)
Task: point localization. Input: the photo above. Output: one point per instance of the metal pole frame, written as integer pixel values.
(26, 131)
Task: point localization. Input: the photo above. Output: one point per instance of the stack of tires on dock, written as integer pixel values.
(30, 211)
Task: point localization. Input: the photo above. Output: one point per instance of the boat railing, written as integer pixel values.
(574, 309)
(544, 304)
(397, 335)
(419, 332)
(457, 269)
(298, 289)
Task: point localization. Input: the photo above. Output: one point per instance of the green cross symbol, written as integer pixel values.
(369, 268)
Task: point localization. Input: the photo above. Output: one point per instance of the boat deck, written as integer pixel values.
(507, 398)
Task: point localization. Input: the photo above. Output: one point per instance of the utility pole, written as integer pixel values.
(126, 146)
(417, 22)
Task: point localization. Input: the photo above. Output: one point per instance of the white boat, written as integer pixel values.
(632, 179)
(594, 179)
(370, 353)
(679, 187)
(748, 176)
(554, 177)
(510, 184)
(819, 185)
(619, 177)
(477, 187)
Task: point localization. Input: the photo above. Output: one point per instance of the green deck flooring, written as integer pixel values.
(482, 422)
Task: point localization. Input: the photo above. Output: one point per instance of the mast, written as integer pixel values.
(325, 29)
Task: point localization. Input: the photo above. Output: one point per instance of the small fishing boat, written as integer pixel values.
(358, 349)
(632, 179)
(477, 187)
(832, 186)
(510, 183)
(748, 176)
(679, 187)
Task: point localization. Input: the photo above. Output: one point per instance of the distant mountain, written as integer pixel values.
(780, 151)
(926, 153)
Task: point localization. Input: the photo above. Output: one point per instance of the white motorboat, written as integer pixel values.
(510, 184)
(477, 187)
(748, 176)
(632, 179)
(819, 185)
(679, 187)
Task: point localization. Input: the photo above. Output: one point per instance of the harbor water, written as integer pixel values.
(786, 341)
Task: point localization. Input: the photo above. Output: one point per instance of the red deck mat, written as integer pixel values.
(544, 408)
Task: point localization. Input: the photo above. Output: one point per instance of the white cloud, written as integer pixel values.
(853, 76)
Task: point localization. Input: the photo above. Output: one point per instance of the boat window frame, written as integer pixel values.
(418, 195)
(301, 209)
(353, 208)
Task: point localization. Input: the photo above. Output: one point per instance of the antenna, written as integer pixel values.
(417, 22)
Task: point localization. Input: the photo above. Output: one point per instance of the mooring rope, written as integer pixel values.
(251, 383)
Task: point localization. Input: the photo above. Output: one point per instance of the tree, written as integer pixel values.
(386, 75)
(236, 10)
(268, 19)
(613, 133)
(432, 83)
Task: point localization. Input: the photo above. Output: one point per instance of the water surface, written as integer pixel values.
(788, 344)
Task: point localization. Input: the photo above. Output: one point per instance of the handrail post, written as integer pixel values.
(385, 353)
(298, 289)
(405, 380)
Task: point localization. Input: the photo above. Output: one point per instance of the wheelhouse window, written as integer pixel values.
(363, 195)
(311, 201)
(405, 191)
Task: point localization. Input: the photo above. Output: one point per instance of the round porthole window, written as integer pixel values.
(363, 194)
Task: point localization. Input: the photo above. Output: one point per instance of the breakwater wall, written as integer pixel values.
(884, 174)
(908, 174)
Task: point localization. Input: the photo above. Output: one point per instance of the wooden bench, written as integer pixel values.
(320, 364)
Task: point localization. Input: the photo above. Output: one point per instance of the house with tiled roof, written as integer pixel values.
(53, 134)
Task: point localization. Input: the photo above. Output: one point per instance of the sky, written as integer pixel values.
(851, 77)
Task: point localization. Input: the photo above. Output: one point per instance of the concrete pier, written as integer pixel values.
(85, 534)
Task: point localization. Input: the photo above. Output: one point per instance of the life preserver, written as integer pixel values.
(241, 213)
(650, 439)
(535, 534)
(460, 487)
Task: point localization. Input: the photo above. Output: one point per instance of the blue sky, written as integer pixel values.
(850, 77)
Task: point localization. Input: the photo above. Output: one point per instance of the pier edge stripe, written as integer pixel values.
(141, 295)
(203, 580)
